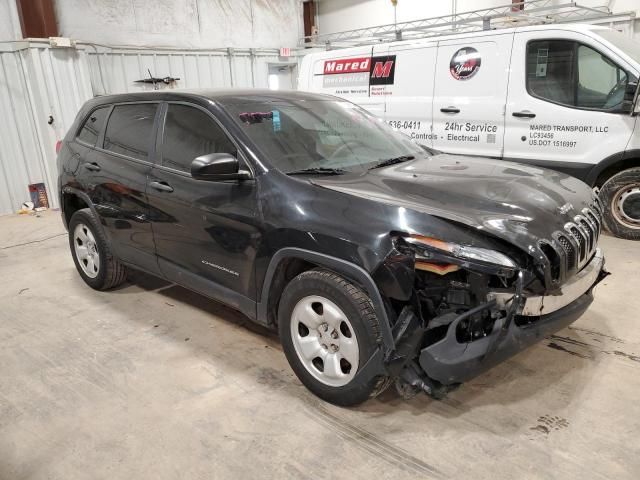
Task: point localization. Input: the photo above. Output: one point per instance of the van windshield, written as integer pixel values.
(321, 135)
(624, 43)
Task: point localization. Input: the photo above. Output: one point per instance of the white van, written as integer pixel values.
(558, 96)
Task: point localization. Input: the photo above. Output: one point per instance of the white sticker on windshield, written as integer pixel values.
(541, 62)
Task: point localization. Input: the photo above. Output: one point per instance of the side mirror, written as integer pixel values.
(217, 167)
(635, 108)
(630, 96)
(630, 91)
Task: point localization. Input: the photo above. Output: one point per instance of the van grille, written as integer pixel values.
(577, 243)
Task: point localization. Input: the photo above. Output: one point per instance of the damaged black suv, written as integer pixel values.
(378, 261)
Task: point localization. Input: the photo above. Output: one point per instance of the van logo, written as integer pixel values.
(359, 71)
(383, 70)
(347, 65)
(465, 63)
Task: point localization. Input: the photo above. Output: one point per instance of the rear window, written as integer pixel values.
(93, 126)
(129, 130)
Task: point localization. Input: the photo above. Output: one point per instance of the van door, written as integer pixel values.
(565, 94)
(409, 96)
(470, 94)
(350, 74)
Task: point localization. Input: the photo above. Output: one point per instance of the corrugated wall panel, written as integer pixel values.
(115, 70)
(37, 81)
(18, 158)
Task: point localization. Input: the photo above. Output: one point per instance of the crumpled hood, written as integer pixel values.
(514, 202)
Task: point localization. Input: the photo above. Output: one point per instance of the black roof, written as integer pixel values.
(226, 96)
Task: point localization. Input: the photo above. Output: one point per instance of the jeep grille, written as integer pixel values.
(577, 243)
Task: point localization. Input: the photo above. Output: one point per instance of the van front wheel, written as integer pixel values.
(621, 198)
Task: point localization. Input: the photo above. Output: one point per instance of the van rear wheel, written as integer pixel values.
(621, 198)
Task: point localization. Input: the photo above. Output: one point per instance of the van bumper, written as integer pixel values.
(450, 362)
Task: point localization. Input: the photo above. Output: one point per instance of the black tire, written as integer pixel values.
(111, 272)
(610, 194)
(357, 307)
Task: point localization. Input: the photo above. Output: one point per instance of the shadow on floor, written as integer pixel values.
(527, 375)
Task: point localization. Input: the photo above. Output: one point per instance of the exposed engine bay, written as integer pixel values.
(463, 317)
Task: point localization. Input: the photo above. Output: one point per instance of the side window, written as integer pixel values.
(188, 133)
(573, 74)
(551, 71)
(129, 130)
(93, 126)
(601, 83)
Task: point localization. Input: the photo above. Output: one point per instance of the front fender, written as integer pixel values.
(338, 265)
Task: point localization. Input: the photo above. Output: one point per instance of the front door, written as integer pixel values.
(564, 99)
(470, 94)
(205, 232)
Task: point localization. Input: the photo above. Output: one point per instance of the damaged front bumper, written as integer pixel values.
(524, 321)
(582, 282)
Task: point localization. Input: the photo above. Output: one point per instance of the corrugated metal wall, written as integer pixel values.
(37, 81)
(115, 70)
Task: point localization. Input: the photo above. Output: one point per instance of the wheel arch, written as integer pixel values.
(612, 165)
(72, 200)
(288, 262)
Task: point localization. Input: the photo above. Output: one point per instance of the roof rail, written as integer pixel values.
(529, 12)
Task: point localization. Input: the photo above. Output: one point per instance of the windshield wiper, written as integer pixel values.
(318, 171)
(392, 161)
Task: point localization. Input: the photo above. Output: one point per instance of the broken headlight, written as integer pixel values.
(433, 248)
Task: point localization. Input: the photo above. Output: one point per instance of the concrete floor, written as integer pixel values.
(152, 381)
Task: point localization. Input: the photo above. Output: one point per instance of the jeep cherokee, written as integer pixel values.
(378, 261)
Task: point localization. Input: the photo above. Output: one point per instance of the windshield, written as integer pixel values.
(624, 43)
(320, 134)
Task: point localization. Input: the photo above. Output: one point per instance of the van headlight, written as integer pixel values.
(430, 245)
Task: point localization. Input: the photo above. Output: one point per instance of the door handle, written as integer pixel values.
(524, 114)
(161, 186)
(450, 110)
(94, 167)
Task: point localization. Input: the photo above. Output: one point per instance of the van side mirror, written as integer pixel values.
(630, 90)
(635, 108)
(630, 96)
(217, 167)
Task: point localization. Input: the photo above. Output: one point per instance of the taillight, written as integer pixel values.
(58, 146)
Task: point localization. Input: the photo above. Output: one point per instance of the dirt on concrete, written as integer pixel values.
(151, 381)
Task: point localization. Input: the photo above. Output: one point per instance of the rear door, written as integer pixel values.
(115, 177)
(470, 94)
(205, 232)
(564, 94)
(409, 94)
